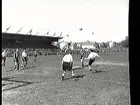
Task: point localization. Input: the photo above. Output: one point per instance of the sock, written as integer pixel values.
(63, 73)
(72, 73)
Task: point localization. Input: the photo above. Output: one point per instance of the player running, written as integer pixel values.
(24, 59)
(16, 59)
(91, 57)
(67, 63)
(4, 54)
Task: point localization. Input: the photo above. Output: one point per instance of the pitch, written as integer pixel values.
(40, 82)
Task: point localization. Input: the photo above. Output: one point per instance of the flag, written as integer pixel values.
(67, 35)
(48, 33)
(31, 31)
(8, 28)
(81, 29)
(54, 34)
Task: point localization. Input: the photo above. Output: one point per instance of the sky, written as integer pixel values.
(107, 19)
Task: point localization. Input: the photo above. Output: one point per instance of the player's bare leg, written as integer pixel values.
(72, 73)
(63, 75)
(16, 65)
(25, 64)
(22, 64)
(89, 67)
(3, 62)
(82, 62)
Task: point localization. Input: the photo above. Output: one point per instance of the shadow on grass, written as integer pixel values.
(9, 79)
(79, 67)
(98, 71)
(31, 67)
(10, 70)
(76, 77)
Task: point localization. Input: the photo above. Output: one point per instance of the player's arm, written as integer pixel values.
(62, 64)
(62, 61)
(99, 57)
(85, 58)
(71, 60)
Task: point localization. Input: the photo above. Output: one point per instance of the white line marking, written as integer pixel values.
(111, 63)
(112, 81)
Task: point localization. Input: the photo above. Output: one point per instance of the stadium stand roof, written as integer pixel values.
(12, 40)
(28, 37)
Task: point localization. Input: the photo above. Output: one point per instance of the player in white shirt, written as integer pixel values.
(91, 58)
(67, 63)
(4, 54)
(24, 58)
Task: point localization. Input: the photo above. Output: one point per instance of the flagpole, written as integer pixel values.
(19, 30)
(54, 34)
(36, 33)
(29, 31)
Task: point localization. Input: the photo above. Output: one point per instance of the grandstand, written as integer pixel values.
(12, 40)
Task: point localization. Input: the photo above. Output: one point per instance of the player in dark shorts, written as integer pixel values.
(67, 63)
(82, 57)
(16, 59)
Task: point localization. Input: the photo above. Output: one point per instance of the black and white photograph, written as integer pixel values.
(65, 52)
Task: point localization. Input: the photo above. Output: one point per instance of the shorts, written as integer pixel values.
(66, 66)
(16, 60)
(24, 59)
(81, 57)
(35, 55)
(4, 58)
(91, 61)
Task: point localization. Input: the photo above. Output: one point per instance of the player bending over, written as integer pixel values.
(67, 63)
(24, 59)
(91, 58)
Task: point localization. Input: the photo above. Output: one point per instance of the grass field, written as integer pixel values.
(40, 83)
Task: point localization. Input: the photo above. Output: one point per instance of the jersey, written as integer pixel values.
(24, 54)
(3, 54)
(67, 58)
(92, 55)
